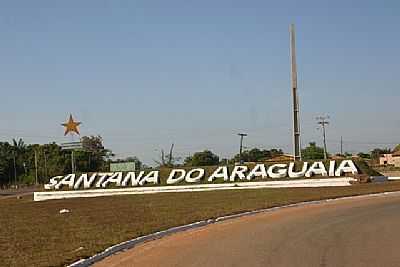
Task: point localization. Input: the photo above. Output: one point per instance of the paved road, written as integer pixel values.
(10, 193)
(362, 232)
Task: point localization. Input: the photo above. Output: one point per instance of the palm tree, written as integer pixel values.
(19, 145)
(18, 149)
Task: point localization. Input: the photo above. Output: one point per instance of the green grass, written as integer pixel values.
(35, 234)
(386, 168)
(364, 168)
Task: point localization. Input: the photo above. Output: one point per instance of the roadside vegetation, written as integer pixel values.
(27, 164)
(22, 164)
(36, 234)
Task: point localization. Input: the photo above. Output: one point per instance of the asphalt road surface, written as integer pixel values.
(361, 232)
(10, 193)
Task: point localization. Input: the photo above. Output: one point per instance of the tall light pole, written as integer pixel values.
(296, 122)
(323, 121)
(241, 146)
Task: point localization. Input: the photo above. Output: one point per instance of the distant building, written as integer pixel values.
(337, 157)
(281, 158)
(390, 159)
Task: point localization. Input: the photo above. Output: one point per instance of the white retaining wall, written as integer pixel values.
(329, 182)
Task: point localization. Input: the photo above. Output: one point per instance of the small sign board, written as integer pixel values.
(123, 167)
(72, 146)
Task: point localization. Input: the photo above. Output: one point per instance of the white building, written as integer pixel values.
(390, 159)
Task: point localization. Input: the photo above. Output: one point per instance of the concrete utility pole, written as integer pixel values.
(296, 122)
(241, 146)
(45, 164)
(36, 167)
(323, 121)
(15, 169)
(72, 161)
(341, 145)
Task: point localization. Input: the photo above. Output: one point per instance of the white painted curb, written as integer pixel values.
(329, 182)
(143, 239)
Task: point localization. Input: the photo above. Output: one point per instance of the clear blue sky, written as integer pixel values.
(144, 74)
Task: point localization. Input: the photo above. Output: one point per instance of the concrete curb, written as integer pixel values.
(143, 239)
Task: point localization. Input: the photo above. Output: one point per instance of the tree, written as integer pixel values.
(312, 152)
(95, 156)
(364, 155)
(51, 160)
(204, 158)
(224, 161)
(19, 148)
(19, 145)
(347, 155)
(6, 159)
(167, 160)
(257, 155)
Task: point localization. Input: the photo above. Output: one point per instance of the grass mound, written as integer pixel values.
(364, 168)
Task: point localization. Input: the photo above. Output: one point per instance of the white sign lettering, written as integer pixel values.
(176, 176)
